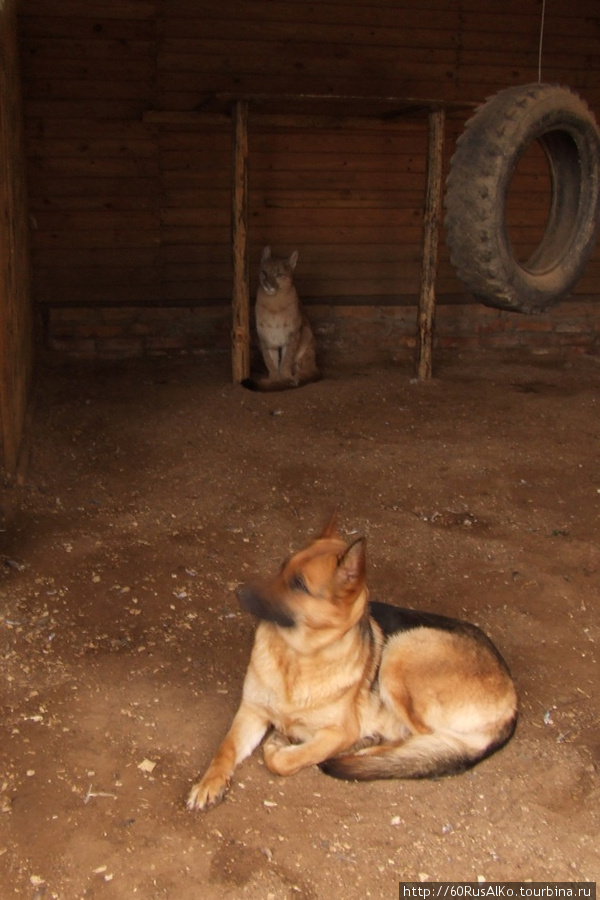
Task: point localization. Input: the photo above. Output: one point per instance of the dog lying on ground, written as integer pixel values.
(363, 690)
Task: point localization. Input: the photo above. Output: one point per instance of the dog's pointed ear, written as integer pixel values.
(330, 528)
(351, 564)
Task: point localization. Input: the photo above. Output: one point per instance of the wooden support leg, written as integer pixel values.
(431, 222)
(240, 333)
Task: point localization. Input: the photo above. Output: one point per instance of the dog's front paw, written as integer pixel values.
(276, 741)
(206, 793)
(280, 754)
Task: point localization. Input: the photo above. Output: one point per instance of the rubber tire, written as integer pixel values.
(481, 169)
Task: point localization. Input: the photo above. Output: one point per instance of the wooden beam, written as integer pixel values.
(240, 334)
(431, 223)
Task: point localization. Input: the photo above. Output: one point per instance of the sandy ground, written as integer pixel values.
(152, 489)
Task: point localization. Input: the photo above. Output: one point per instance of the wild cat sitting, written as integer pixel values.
(285, 336)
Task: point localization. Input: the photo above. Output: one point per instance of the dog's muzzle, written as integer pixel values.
(256, 600)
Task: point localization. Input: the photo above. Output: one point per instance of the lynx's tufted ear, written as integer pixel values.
(266, 254)
(293, 260)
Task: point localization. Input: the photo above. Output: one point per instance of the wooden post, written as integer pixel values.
(240, 332)
(431, 222)
(16, 325)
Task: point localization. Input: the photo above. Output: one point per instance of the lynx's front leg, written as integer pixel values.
(245, 734)
(290, 352)
(271, 356)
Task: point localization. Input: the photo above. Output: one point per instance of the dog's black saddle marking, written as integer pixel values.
(394, 619)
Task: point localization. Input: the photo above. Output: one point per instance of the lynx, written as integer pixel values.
(286, 339)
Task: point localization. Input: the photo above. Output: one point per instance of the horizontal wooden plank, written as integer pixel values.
(96, 148)
(106, 167)
(89, 237)
(302, 218)
(202, 290)
(368, 115)
(312, 23)
(400, 143)
(110, 9)
(361, 11)
(89, 70)
(448, 90)
(191, 54)
(92, 258)
(314, 162)
(118, 203)
(46, 189)
(57, 108)
(420, 79)
(76, 277)
(312, 256)
(311, 271)
(88, 129)
(94, 28)
(308, 199)
(126, 294)
(412, 137)
(291, 234)
(95, 220)
(91, 90)
(181, 95)
(433, 7)
(312, 72)
(266, 58)
(291, 179)
(42, 50)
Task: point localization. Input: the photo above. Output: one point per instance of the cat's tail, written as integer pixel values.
(267, 385)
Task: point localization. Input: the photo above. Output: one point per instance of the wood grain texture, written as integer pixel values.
(128, 136)
(15, 305)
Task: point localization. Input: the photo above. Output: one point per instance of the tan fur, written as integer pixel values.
(332, 689)
(286, 340)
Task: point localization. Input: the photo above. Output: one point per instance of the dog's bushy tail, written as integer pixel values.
(420, 756)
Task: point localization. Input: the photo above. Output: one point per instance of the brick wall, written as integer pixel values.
(361, 334)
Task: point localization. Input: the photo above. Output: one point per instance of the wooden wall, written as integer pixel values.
(15, 312)
(129, 147)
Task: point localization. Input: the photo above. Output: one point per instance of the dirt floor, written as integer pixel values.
(152, 489)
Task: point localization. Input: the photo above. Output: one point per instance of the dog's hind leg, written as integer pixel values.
(455, 700)
(246, 732)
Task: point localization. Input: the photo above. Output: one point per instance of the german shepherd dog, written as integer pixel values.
(363, 690)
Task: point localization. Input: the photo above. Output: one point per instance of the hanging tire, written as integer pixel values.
(481, 169)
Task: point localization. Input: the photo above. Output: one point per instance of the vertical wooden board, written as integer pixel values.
(15, 313)
(240, 336)
(431, 223)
